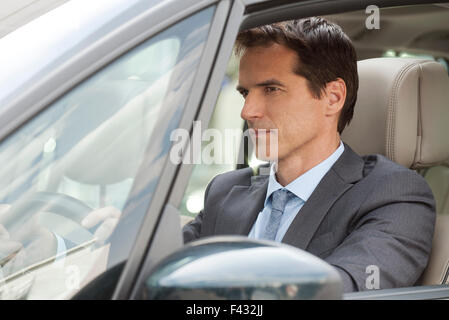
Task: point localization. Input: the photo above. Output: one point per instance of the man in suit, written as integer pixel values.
(299, 80)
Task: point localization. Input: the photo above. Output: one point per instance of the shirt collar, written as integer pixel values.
(305, 184)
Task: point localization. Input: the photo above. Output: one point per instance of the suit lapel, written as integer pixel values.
(243, 203)
(241, 207)
(341, 177)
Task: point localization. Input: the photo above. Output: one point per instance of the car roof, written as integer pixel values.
(40, 46)
(14, 14)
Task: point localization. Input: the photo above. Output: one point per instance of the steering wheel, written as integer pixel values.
(57, 203)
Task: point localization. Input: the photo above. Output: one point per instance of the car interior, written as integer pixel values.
(401, 111)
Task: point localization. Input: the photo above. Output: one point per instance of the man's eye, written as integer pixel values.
(244, 93)
(271, 89)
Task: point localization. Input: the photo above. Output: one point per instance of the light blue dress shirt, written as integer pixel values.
(302, 187)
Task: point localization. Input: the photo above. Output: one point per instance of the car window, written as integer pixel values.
(83, 153)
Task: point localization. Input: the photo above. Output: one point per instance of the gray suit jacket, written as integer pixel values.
(365, 211)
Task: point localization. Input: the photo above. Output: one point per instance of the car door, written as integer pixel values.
(247, 14)
(90, 130)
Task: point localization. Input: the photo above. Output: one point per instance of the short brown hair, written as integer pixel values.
(325, 53)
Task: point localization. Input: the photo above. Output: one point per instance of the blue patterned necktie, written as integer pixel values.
(279, 199)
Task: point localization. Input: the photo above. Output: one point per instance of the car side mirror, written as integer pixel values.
(235, 267)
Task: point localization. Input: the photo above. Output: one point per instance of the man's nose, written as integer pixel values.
(252, 109)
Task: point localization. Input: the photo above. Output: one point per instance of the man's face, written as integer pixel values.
(277, 98)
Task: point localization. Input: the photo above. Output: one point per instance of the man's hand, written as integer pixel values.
(27, 245)
(108, 217)
(31, 243)
(8, 247)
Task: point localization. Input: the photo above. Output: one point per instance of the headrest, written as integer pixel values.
(402, 111)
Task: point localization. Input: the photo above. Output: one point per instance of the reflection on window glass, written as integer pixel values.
(67, 179)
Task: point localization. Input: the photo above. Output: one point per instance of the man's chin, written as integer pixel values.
(266, 152)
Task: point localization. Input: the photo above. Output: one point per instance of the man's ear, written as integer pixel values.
(335, 96)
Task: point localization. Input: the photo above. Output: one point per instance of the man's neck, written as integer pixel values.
(304, 159)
